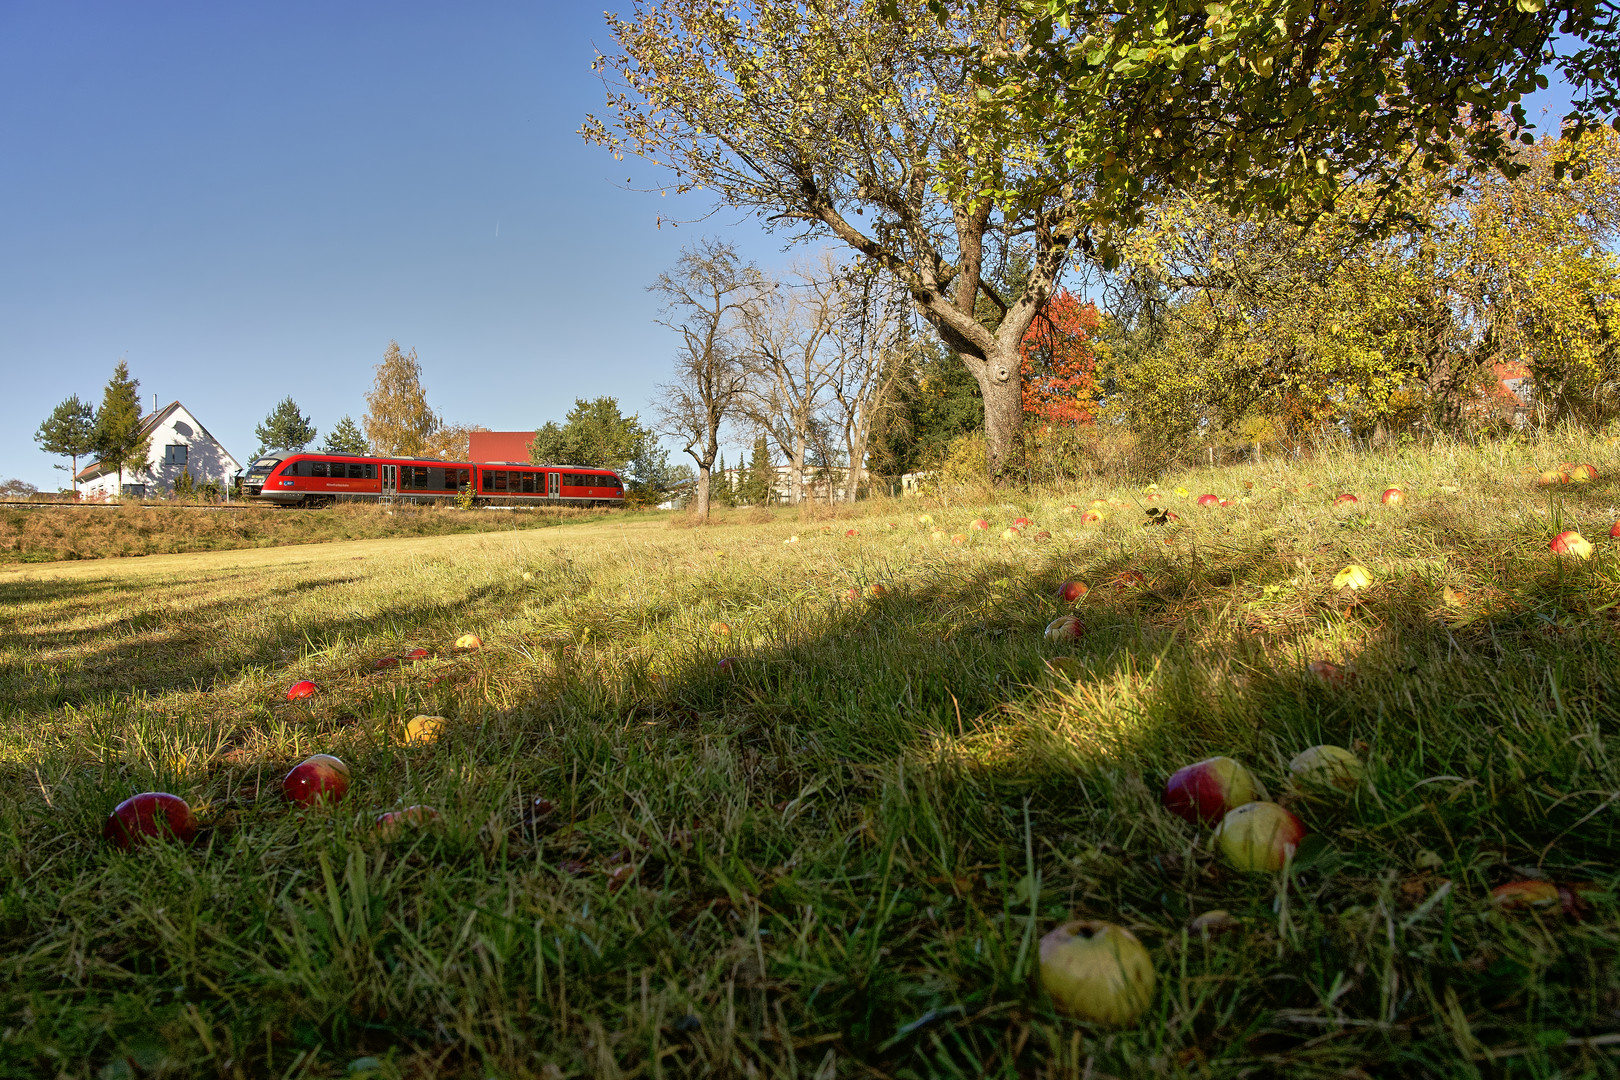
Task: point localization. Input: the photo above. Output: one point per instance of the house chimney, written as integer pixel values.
(154, 402)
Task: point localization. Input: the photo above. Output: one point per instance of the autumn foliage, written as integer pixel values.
(1059, 364)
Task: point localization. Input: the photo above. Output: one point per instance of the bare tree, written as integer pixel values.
(788, 336)
(869, 344)
(708, 293)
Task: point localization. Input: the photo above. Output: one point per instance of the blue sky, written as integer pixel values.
(248, 201)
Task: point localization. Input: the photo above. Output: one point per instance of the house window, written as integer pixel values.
(175, 454)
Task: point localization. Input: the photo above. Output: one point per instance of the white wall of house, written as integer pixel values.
(179, 444)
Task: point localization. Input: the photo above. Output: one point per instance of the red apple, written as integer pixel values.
(1328, 672)
(1043, 535)
(979, 524)
(1072, 590)
(851, 532)
(1066, 628)
(149, 816)
(1259, 836)
(300, 690)
(728, 665)
(1019, 523)
(1614, 531)
(385, 662)
(876, 590)
(1203, 792)
(1552, 478)
(1071, 508)
(1091, 517)
(1010, 533)
(720, 629)
(415, 654)
(1571, 543)
(1097, 971)
(391, 824)
(1583, 474)
(320, 778)
(1391, 496)
(1345, 498)
(1209, 500)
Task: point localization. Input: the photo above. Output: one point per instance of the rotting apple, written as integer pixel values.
(1614, 531)
(151, 815)
(1067, 628)
(959, 539)
(1205, 791)
(415, 654)
(1072, 590)
(1518, 895)
(1071, 508)
(318, 778)
(728, 665)
(1328, 672)
(300, 690)
(1327, 766)
(1097, 971)
(384, 662)
(1571, 542)
(1259, 836)
(1354, 576)
(391, 824)
(423, 728)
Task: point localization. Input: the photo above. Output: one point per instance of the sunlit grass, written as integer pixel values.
(833, 856)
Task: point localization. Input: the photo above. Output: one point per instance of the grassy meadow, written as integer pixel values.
(52, 533)
(833, 856)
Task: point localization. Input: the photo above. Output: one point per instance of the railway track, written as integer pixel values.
(22, 504)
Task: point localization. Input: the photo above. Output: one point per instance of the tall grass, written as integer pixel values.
(834, 856)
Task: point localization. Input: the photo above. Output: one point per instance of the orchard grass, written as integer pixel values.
(48, 533)
(836, 858)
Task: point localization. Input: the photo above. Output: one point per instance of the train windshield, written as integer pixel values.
(262, 467)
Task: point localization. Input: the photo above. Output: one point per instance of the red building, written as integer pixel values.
(499, 445)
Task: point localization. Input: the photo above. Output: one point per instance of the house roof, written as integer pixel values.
(148, 425)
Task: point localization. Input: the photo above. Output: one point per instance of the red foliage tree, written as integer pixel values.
(1060, 385)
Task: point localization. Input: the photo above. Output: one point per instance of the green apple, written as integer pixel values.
(1326, 766)
(1259, 836)
(1097, 971)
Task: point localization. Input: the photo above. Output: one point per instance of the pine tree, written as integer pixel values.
(723, 491)
(70, 432)
(346, 438)
(284, 429)
(118, 440)
(398, 421)
(761, 475)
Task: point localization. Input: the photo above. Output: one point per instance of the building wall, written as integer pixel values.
(499, 445)
(179, 444)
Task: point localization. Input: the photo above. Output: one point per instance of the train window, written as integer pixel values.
(317, 468)
(291, 468)
(370, 472)
(488, 480)
(357, 471)
(500, 480)
(463, 478)
(437, 479)
(528, 483)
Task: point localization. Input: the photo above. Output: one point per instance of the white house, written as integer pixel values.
(179, 444)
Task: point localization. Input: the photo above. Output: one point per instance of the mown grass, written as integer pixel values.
(836, 857)
(46, 533)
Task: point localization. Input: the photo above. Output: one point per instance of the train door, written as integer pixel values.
(390, 481)
(552, 481)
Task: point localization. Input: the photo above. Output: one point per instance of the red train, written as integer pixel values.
(299, 479)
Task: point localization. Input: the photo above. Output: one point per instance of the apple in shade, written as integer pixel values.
(1353, 576)
(150, 815)
(394, 822)
(319, 778)
(1518, 895)
(1391, 496)
(1328, 672)
(1096, 971)
(876, 590)
(728, 665)
(300, 690)
(1204, 791)
(385, 662)
(1066, 628)
(1326, 766)
(1072, 590)
(1209, 500)
(1571, 543)
(469, 641)
(1258, 836)
(415, 654)
(979, 524)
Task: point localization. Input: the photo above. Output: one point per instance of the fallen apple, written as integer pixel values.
(1344, 499)
(1518, 895)
(1099, 504)
(1072, 590)
(1211, 923)
(1614, 531)
(939, 536)
(1183, 493)
(1010, 533)
(979, 524)
(394, 822)
(1552, 478)
(1205, 791)
(1066, 628)
(415, 654)
(1391, 496)
(1209, 500)
(469, 641)
(720, 629)
(384, 662)
(1091, 517)
(1571, 543)
(1353, 576)
(851, 532)
(1096, 971)
(1071, 508)
(151, 815)
(728, 665)
(925, 519)
(1043, 535)
(300, 690)
(1583, 474)
(1326, 766)
(876, 590)
(1328, 672)
(959, 538)
(423, 728)
(319, 778)
(1021, 522)
(1258, 836)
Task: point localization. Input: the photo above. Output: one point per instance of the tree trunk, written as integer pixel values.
(1001, 386)
(703, 493)
(798, 468)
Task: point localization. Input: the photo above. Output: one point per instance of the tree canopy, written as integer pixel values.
(117, 438)
(398, 421)
(595, 435)
(285, 428)
(346, 438)
(69, 432)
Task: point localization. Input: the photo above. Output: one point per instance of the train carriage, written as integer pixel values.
(304, 479)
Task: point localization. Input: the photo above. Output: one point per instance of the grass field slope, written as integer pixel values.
(722, 802)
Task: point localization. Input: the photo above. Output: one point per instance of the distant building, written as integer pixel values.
(499, 445)
(1514, 392)
(179, 443)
